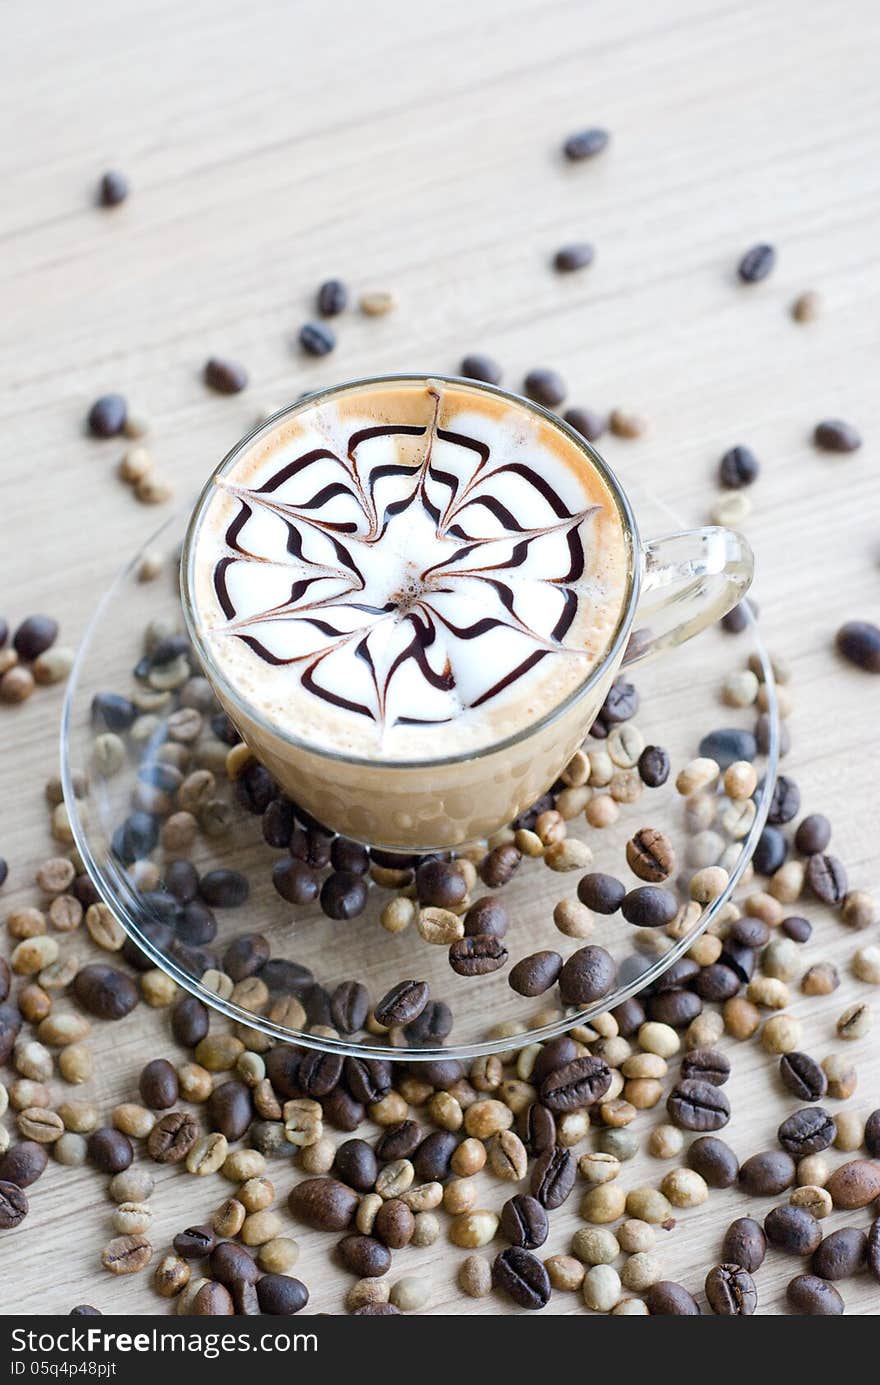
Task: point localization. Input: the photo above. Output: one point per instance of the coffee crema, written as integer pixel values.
(408, 570)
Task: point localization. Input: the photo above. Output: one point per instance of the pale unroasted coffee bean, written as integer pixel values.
(207, 1155)
(636, 1237)
(601, 1288)
(475, 1277)
(604, 1203)
(132, 1218)
(473, 1229)
(131, 1185)
(598, 1168)
(595, 1246)
(684, 1188)
(816, 1201)
(126, 1254)
(856, 1021)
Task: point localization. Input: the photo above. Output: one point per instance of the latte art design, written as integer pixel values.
(405, 577)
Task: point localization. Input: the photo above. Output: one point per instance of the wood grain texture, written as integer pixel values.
(416, 149)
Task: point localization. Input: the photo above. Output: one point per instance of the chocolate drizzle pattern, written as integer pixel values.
(407, 577)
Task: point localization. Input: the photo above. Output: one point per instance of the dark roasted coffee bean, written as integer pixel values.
(649, 906)
(442, 1073)
(224, 889)
(535, 974)
(653, 766)
(546, 387)
(226, 377)
(694, 1105)
(488, 917)
(277, 823)
(349, 855)
(106, 993)
(5, 974)
(500, 865)
(785, 802)
(480, 367)
(714, 1161)
(872, 1134)
(800, 930)
(367, 1079)
(85, 1310)
(106, 417)
(554, 1054)
(749, 932)
(585, 144)
(590, 424)
(477, 955)
(13, 1205)
(827, 878)
(319, 1072)
(230, 1109)
(676, 1008)
(524, 1222)
(255, 789)
(399, 1141)
(246, 955)
(197, 924)
(577, 1084)
(182, 881)
(280, 1295)
(604, 894)
(343, 895)
(771, 850)
(440, 884)
(172, 1137)
(316, 339)
(717, 982)
(577, 255)
(835, 435)
(403, 1003)
(109, 1150)
(537, 1129)
(738, 959)
(736, 619)
(364, 1256)
(311, 845)
(323, 1203)
(630, 1016)
(135, 838)
(840, 1254)
(553, 1177)
(195, 1243)
(224, 729)
(764, 734)
(231, 1263)
(621, 703)
(289, 978)
(668, 1299)
(113, 711)
(859, 642)
(244, 1298)
(190, 1021)
(342, 1111)
(295, 881)
(588, 975)
(727, 745)
(766, 1174)
(756, 263)
(356, 1164)
(650, 856)
(738, 467)
(873, 1249)
(112, 189)
(808, 1131)
(731, 1292)
(350, 1006)
(706, 1065)
(169, 649)
(522, 1276)
(792, 1229)
(745, 1244)
(803, 1076)
(813, 834)
(332, 298)
(394, 1224)
(158, 1084)
(431, 1027)
(431, 1160)
(810, 1296)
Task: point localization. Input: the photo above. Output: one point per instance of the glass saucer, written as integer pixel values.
(680, 702)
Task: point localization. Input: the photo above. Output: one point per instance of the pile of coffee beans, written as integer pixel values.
(31, 658)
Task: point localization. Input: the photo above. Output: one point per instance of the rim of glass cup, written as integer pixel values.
(617, 641)
(117, 890)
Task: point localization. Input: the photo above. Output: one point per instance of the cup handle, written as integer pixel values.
(689, 580)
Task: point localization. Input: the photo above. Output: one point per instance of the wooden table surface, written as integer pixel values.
(416, 150)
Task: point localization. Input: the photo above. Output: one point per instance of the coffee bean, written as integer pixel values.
(756, 263)
(535, 974)
(158, 1084)
(590, 424)
(231, 1263)
(367, 1079)
(859, 642)
(810, 1296)
(287, 977)
(653, 766)
(10, 1024)
(479, 367)
(649, 906)
(486, 918)
(13, 1205)
(230, 1109)
(172, 1137)
(694, 1105)
(295, 881)
(827, 878)
(766, 1175)
(553, 1177)
(85, 1310)
(403, 1003)
(803, 1076)
(126, 1254)
(224, 889)
(500, 865)
(585, 144)
(477, 955)
(522, 1276)
(343, 895)
(738, 467)
(431, 1027)
(316, 339)
(800, 930)
(588, 975)
(792, 1229)
(280, 1295)
(332, 298)
(440, 884)
(112, 189)
(572, 257)
(872, 1134)
(785, 801)
(841, 1254)
(727, 745)
(873, 1249)
(714, 1161)
(432, 1159)
(524, 1222)
(745, 1244)
(319, 1073)
(604, 894)
(109, 1150)
(706, 1065)
(650, 856)
(106, 418)
(226, 377)
(577, 1084)
(770, 851)
(399, 1141)
(546, 387)
(665, 1298)
(323, 1203)
(195, 1243)
(834, 435)
(854, 1184)
(190, 1021)
(813, 834)
(350, 1006)
(364, 1256)
(808, 1131)
(731, 1291)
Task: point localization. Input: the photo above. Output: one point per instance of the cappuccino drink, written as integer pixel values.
(401, 590)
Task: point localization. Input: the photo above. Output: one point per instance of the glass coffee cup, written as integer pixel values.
(672, 588)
